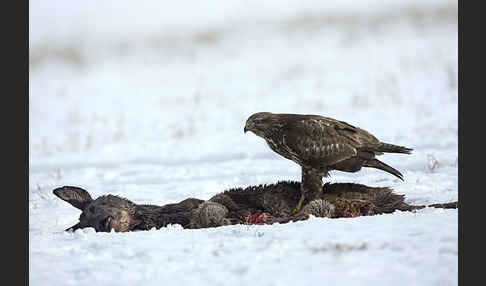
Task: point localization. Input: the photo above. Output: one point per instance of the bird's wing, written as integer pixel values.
(318, 140)
(361, 139)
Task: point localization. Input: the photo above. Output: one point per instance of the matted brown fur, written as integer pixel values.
(235, 206)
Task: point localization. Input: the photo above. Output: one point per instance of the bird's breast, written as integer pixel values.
(279, 147)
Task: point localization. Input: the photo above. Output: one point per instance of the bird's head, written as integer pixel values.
(258, 123)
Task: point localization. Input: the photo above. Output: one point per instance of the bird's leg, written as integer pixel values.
(299, 204)
(310, 187)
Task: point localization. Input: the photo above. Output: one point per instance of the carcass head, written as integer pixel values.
(103, 214)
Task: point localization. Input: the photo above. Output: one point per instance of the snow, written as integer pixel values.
(148, 101)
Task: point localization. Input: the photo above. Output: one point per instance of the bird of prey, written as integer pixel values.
(320, 144)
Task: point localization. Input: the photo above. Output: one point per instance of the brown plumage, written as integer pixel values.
(320, 144)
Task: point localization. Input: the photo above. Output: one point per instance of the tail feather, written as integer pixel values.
(390, 148)
(375, 163)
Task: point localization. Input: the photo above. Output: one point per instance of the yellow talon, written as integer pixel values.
(299, 205)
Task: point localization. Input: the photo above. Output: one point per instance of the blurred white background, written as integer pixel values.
(148, 99)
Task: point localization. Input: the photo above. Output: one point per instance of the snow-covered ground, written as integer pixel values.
(148, 99)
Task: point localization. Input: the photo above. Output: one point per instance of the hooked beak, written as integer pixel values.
(245, 129)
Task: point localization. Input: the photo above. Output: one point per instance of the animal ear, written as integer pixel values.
(77, 197)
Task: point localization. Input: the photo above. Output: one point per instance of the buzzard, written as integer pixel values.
(320, 144)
